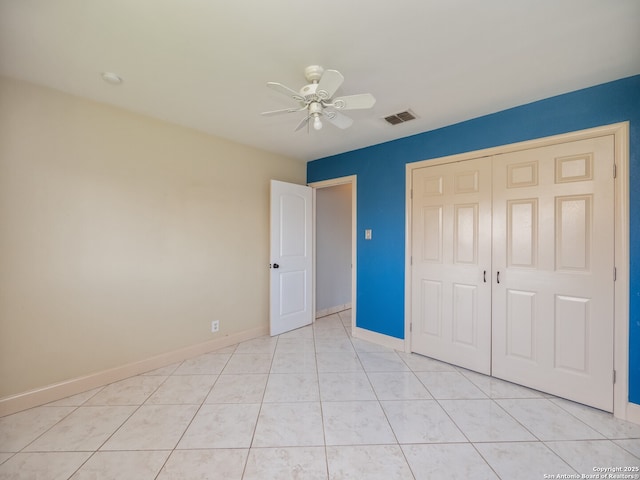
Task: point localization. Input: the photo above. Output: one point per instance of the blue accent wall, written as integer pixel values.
(381, 171)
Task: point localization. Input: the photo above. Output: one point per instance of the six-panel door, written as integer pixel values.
(540, 223)
(451, 259)
(553, 215)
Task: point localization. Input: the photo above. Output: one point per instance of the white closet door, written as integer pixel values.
(553, 292)
(451, 251)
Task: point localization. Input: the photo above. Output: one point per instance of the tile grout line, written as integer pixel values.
(550, 455)
(94, 452)
(324, 431)
(384, 412)
(255, 427)
(193, 417)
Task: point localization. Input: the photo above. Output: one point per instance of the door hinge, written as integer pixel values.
(615, 171)
(411, 193)
(411, 260)
(410, 327)
(615, 274)
(614, 376)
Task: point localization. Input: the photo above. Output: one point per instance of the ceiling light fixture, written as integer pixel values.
(317, 124)
(111, 78)
(315, 110)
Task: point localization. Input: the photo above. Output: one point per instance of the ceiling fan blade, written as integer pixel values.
(280, 88)
(304, 122)
(353, 102)
(338, 119)
(329, 83)
(284, 110)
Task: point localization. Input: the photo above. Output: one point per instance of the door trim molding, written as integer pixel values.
(353, 180)
(620, 131)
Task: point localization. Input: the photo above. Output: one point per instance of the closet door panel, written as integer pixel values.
(553, 215)
(451, 251)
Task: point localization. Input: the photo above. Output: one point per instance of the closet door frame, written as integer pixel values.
(621, 406)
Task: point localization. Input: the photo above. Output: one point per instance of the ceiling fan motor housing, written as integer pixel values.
(308, 92)
(313, 73)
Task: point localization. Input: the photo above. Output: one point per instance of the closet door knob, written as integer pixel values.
(498, 277)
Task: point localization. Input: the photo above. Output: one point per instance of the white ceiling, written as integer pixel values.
(204, 63)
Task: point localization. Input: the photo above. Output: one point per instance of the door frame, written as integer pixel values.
(352, 180)
(620, 131)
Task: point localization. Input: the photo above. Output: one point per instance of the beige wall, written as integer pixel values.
(122, 237)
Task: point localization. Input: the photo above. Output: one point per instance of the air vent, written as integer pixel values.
(401, 117)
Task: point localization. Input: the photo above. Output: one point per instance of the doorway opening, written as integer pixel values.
(334, 220)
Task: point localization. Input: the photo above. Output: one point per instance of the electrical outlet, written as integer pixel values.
(215, 326)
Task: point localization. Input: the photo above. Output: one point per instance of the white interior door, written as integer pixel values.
(553, 261)
(451, 263)
(291, 265)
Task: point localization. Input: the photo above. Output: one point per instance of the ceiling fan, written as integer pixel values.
(315, 97)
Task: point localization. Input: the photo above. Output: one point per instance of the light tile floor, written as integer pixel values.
(312, 404)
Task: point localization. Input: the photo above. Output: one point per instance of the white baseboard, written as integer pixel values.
(57, 391)
(331, 310)
(379, 338)
(633, 413)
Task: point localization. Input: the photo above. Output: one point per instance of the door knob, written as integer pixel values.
(275, 265)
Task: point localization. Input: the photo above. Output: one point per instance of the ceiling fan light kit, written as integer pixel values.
(315, 99)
